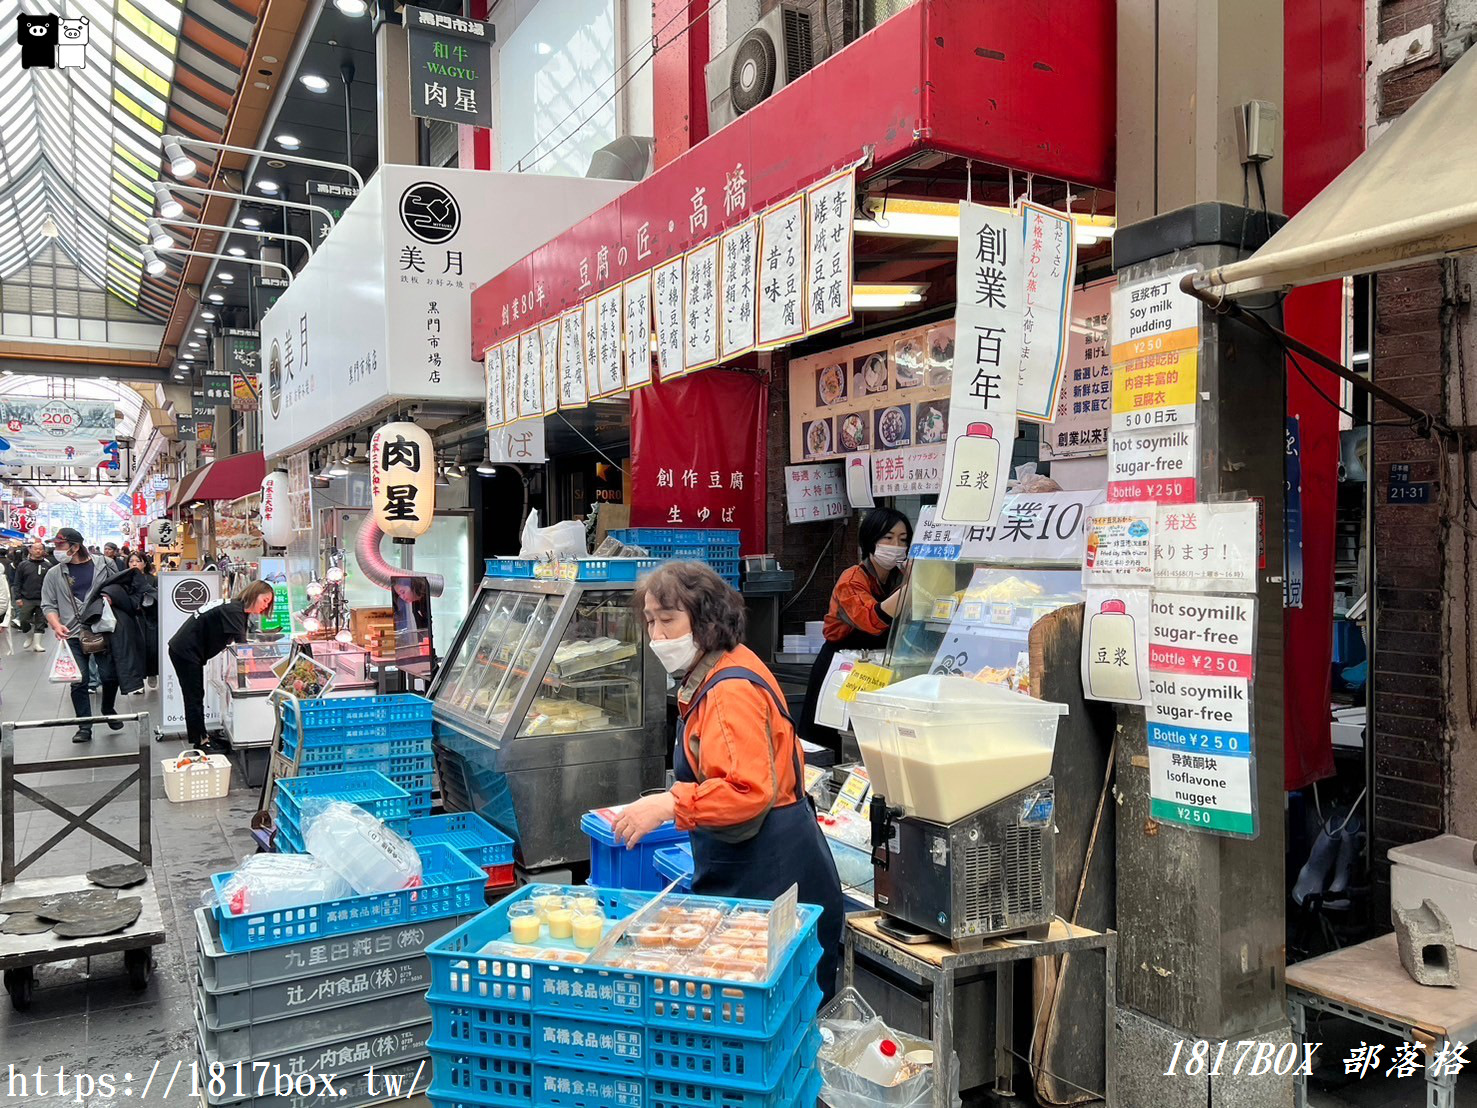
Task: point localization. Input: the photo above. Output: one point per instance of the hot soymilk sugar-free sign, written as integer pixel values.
(1197, 633)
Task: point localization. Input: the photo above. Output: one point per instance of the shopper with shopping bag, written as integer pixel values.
(65, 592)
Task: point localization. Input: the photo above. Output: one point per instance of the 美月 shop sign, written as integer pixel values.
(450, 67)
(382, 310)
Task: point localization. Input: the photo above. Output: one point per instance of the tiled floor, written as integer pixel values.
(86, 1018)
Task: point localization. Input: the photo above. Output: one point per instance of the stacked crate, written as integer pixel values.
(334, 987)
(387, 734)
(717, 546)
(511, 1031)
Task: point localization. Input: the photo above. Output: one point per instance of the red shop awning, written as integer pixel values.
(223, 479)
(1029, 86)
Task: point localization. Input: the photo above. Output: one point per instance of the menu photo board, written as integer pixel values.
(885, 395)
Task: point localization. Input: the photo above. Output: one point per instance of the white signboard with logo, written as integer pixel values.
(181, 595)
(383, 310)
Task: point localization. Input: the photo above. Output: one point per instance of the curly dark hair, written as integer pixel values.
(714, 606)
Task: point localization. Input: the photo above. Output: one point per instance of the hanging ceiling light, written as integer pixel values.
(487, 467)
(153, 263)
(158, 236)
(351, 7)
(337, 468)
(314, 83)
(250, 221)
(326, 473)
(180, 163)
(169, 207)
(49, 229)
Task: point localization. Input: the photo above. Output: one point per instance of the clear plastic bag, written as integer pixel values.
(268, 882)
(848, 1026)
(359, 847)
(562, 540)
(64, 669)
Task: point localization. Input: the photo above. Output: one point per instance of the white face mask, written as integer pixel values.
(62, 555)
(889, 556)
(675, 655)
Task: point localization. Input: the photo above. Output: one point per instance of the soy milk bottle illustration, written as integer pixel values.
(974, 473)
(1112, 670)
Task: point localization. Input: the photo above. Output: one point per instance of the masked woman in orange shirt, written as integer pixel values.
(740, 774)
(863, 606)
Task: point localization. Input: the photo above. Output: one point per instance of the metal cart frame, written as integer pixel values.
(20, 954)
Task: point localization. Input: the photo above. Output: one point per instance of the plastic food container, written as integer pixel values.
(943, 746)
(1438, 869)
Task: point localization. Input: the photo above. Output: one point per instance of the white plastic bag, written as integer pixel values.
(268, 882)
(562, 540)
(848, 1025)
(359, 847)
(107, 623)
(64, 669)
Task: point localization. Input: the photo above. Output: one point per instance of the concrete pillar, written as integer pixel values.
(398, 129)
(1201, 917)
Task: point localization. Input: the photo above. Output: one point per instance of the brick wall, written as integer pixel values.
(1410, 745)
(801, 547)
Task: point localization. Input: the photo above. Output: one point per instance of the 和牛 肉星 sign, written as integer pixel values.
(450, 67)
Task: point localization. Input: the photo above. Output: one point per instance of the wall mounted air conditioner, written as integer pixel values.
(773, 53)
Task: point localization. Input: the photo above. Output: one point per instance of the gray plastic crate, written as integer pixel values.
(287, 999)
(380, 1050)
(224, 973)
(311, 1029)
(350, 1090)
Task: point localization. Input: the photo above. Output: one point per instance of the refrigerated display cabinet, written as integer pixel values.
(549, 705)
(243, 677)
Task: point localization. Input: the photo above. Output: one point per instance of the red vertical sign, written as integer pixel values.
(698, 454)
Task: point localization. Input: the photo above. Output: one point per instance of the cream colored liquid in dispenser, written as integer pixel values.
(945, 785)
(1112, 666)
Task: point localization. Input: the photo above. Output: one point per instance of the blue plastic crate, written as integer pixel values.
(450, 885)
(461, 976)
(354, 733)
(674, 863)
(343, 711)
(465, 831)
(621, 570)
(372, 791)
(510, 567)
(290, 835)
(352, 751)
(612, 866)
(487, 1081)
(678, 536)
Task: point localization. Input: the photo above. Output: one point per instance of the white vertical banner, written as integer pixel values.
(667, 280)
(608, 376)
(510, 380)
(700, 307)
(549, 344)
(828, 267)
(987, 354)
(782, 273)
(181, 595)
(572, 392)
(1050, 260)
(636, 294)
(530, 374)
(592, 348)
(492, 367)
(740, 253)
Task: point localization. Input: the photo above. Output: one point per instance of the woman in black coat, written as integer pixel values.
(140, 561)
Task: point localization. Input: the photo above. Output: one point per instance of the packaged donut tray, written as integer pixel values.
(696, 964)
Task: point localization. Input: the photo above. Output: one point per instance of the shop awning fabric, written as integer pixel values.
(1411, 197)
(223, 479)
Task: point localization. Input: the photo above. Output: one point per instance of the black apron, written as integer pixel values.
(787, 849)
(819, 733)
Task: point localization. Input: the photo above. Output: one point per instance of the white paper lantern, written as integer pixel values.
(276, 520)
(402, 480)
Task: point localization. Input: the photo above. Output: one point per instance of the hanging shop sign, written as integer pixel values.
(239, 353)
(1084, 405)
(402, 480)
(184, 428)
(300, 493)
(203, 410)
(335, 196)
(828, 269)
(636, 303)
(276, 515)
(50, 431)
(264, 292)
(1033, 529)
(1212, 636)
(450, 67)
(879, 397)
(1049, 255)
(740, 269)
(382, 311)
(1157, 466)
(814, 493)
(216, 388)
(697, 455)
(986, 381)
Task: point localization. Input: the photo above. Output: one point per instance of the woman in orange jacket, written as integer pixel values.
(740, 774)
(863, 606)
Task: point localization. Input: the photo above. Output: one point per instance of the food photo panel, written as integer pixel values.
(894, 427)
(819, 442)
(869, 374)
(830, 385)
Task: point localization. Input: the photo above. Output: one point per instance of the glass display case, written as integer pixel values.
(550, 705)
(244, 679)
(975, 620)
(248, 665)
